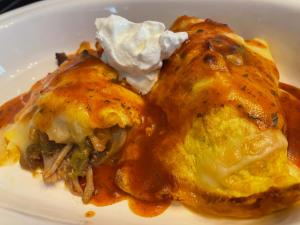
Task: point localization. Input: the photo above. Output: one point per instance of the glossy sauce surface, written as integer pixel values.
(146, 166)
(147, 209)
(107, 193)
(145, 175)
(290, 102)
(211, 70)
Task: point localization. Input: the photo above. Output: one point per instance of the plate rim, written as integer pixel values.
(8, 18)
(17, 14)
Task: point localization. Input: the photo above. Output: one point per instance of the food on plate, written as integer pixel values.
(75, 119)
(221, 146)
(193, 114)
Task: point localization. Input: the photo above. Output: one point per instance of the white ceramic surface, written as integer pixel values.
(30, 36)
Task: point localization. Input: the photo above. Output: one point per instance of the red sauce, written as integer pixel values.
(11, 108)
(147, 176)
(290, 102)
(290, 89)
(240, 77)
(147, 209)
(107, 192)
(90, 214)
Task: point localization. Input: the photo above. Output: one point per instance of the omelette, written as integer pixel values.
(216, 139)
(74, 119)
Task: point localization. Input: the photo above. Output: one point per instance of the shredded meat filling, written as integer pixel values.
(72, 162)
(60, 58)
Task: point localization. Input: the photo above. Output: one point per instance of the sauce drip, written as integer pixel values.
(147, 209)
(107, 192)
(147, 177)
(290, 102)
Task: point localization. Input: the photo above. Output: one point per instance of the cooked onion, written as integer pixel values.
(51, 179)
(49, 172)
(89, 187)
(73, 185)
(118, 139)
(76, 186)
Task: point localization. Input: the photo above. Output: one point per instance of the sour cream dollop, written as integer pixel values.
(136, 50)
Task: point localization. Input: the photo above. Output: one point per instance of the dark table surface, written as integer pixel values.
(6, 5)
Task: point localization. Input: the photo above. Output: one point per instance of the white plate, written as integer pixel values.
(30, 36)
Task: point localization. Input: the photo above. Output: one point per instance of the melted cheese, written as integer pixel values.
(70, 103)
(223, 150)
